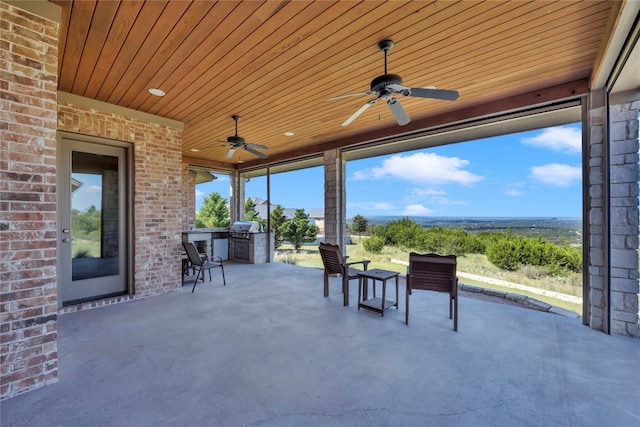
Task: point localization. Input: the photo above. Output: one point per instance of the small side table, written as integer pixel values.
(376, 304)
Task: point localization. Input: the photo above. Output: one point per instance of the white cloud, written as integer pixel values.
(86, 196)
(426, 168)
(432, 196)
(416, 210)
(93, 189)
(371, 206)
(562, 138)
(359, 175)
(446, 201)
(514, 192)
(557, 174)
(416, 194)
(514, 189)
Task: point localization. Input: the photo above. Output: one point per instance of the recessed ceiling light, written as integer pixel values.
(240, 161)
(289, 133)
(156, 92)
(195, 150)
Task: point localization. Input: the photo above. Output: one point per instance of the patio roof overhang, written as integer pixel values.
(275, 64)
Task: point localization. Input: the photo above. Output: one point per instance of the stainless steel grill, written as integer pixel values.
(244, 229)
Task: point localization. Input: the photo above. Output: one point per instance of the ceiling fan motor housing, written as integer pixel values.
(381, 82)
(236, 140)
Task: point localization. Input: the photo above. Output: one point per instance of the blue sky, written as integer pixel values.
(530, 174)
(89, 193)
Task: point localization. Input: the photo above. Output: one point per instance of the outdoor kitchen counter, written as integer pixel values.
(209, 241)
(254, 248)
(208, 230)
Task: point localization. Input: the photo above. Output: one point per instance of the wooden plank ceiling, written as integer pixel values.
(275, 63)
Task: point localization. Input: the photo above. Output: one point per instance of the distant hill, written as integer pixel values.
(556, 230)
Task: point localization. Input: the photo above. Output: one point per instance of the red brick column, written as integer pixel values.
(28, 298)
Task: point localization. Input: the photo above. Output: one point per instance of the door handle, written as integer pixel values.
(66, 240)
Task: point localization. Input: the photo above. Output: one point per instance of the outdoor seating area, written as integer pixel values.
(433, 272)
(200, 264)
(335, 263)
(270, 350)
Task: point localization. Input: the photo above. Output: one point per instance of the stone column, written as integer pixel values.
(236, 203)
(189, 199)
(597, 214)
(110, 221)
(334, 198)
(623, 131)
(613, 212)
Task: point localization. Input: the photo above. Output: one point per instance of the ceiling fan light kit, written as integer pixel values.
(388, 85)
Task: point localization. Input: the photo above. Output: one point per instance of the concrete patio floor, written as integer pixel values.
(269, 350)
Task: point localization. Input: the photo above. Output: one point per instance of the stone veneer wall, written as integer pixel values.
(189, 198)
(334, 198)
(28, 298)
(596, 217)
(613, 227)
(624, 217)
(157, 191)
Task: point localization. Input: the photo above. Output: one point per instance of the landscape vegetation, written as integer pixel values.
(541, 253)
(512, 256)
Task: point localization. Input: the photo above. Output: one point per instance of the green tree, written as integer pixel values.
(86, 225)
(250, 212)
(400, 232)
(298, 230)
(359, 225)
(373, 244)
(213, 212)
(277, 220)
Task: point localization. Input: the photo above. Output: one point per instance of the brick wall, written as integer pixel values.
(28, 299)
(157, 191)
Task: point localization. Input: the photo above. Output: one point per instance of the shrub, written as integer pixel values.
(401, 233)
(511, 253)
(533, 272)
(82, 253)
(506, 254)
(373, 244)
(288, 259)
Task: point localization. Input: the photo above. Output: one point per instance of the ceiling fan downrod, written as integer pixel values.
(385, 46)
(236, 118)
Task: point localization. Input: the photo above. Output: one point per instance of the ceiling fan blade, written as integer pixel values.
(230, 152)
(349, 95)
(426, 92)
(263, 147)
(398, 111)
(256, 152)
(360, 111)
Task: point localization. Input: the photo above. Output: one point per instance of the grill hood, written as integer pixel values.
(245, 227)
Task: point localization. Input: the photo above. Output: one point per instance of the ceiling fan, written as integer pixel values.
(388, 85)
(236, 142)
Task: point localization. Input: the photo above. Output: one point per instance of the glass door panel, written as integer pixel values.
(94, 216)
(91, 207)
